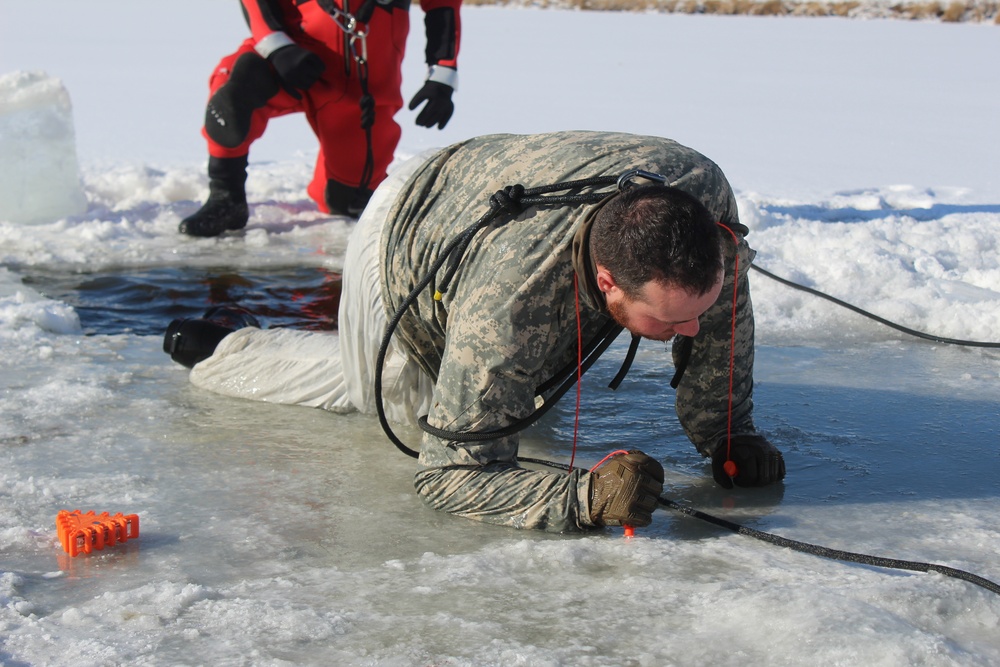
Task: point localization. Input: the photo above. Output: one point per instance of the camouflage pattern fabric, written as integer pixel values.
(702, 401)
(507, 321)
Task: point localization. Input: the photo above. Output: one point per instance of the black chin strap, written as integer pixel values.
(626, 363)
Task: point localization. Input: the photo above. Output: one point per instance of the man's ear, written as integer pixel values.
(605, 281)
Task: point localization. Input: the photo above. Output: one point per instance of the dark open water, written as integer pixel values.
(144, 301)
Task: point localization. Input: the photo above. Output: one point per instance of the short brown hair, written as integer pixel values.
(661, 233)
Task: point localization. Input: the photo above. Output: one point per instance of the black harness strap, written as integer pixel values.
(510, 200)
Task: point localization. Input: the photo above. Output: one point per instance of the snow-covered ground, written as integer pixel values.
(864, 153)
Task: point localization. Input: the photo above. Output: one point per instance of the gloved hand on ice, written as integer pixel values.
(757, 462)
(625, 490)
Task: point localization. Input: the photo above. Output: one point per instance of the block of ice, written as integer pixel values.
(39, 175)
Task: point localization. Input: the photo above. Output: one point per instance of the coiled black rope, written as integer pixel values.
(872, 316)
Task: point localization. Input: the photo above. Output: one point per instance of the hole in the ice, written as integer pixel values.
(144, 301)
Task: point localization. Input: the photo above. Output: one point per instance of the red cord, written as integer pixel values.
(629, 529)
(579, 368)
(730, 465)
(614, 453)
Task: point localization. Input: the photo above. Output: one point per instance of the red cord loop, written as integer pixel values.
(614, 453)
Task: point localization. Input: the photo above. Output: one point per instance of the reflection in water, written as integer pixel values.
(145, 301)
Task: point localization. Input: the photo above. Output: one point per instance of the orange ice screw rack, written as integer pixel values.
(85, 532)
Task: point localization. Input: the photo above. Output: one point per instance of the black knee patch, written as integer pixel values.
(251, 84)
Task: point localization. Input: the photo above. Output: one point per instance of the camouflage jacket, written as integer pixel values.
(507, 321)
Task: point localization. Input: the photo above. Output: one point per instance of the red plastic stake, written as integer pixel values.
(87, 532)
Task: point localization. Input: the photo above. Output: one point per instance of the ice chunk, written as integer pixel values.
(39, 177)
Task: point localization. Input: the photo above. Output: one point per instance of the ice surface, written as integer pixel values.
(864, 158)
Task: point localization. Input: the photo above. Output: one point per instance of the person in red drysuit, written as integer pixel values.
(301, 59)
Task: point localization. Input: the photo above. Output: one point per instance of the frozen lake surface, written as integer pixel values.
(864, 158)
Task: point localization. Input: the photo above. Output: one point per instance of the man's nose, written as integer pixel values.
(689, 328)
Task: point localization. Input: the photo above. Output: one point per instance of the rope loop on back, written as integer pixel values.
(508, 199)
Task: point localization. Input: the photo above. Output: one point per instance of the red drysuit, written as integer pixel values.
(331, 105)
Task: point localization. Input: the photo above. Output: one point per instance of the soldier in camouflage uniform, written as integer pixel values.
(507, 321)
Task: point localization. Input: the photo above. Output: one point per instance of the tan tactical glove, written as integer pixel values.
(624, 490)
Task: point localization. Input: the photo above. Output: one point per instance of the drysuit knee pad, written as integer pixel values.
(230, 109)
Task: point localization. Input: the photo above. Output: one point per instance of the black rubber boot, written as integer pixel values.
(192, 340)
(345, 199)
(226, 208)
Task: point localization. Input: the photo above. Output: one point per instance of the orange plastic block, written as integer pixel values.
(79, 532)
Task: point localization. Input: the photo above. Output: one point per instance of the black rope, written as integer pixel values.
(511, 199)
(898, 327)
(805, 547)
(627, 364)
(834, 554)
(601, 342)
(367, 104)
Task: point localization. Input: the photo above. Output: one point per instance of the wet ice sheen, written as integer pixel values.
(274, 535)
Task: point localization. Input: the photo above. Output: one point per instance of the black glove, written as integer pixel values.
(439, 105)
(758, 462)
(625, 490)
(298, 68)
